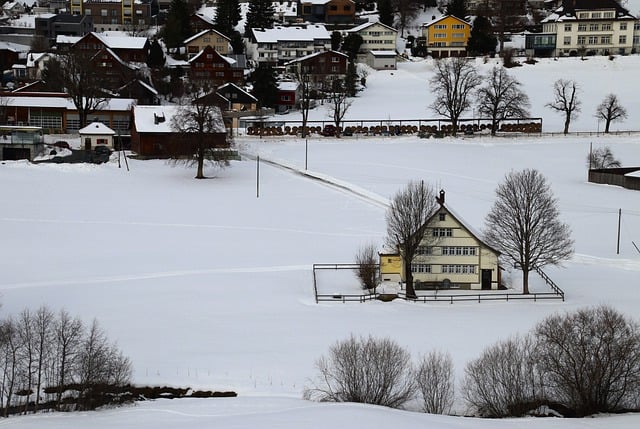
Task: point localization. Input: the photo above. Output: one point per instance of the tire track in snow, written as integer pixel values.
(624, 264)
(328, 181)
(154, 275)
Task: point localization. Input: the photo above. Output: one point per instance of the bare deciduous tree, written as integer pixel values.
(501, 98)
(590, 360)
(75, 72)
(504, 380)
(198, 119)
(338, 103)
(407, 218)
(610, 110)
(365, 370)
(68, 332)
(435, 382)
(524, 224)
(367, 270)
(602, 157)
(565, 93)
(453, 83)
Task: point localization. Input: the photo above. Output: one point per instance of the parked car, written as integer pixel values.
(101, 153)
(329, 131)
(62, 144)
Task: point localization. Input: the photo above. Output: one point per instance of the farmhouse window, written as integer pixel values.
(567, 27)
(442, 232)
(623, 26)
(420, 268)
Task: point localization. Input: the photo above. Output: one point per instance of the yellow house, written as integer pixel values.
(210, 37)
(447, 36)
(451, 256)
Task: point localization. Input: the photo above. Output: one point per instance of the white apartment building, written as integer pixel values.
(591, 27)
(375, 37)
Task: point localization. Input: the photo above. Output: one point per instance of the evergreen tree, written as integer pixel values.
(155, 59)
(237, 44)
(482, 41)
(227, 16)
(177, 28)
(351, 45)
(385, 10)
(265, 85)
(457, 8)
(350, 79)
(261, 14)
(336, 40)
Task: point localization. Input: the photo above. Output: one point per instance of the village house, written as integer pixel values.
(96, 134)
(52, 25)
(375, 37)
(456, 258)
(446, 36)
(153, 134)
(585, 27)
(123, 15)
(208, 37)
(328, 11)
(56, 113)
(278, 45)
(320, 69)
(210, 68)
(126, 48)
(288, 96)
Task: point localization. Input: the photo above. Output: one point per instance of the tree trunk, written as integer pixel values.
(408, 276)
(606, 126)
(200, 173)
(566, 126)
(525, 282)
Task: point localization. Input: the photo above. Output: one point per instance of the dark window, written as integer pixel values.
(442, 217)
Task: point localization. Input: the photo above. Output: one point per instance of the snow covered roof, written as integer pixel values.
(315, 54)
(67, 40)
(369, 24)
(315, 1)
(121, 42)
(440, 18)
(14, 47)
(33, 58)
(96, 128)
(288, 86)
(157, 119)
(202, 33)
(283, 34)
(383, 53)
(230, 61)
(237, 88)
(118, 104)
(634, 173)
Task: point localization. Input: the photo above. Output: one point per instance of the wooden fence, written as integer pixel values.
(555, 294)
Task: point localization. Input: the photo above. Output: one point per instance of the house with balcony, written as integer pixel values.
(320, 68)
(279, 45)
(208, 37)
(446, 36)
(589, 27)
(451, 256)
(375, 37)
(328, 11)
(109, 15)
(211, 68)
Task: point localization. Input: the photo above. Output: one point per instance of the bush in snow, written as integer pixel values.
(366, 370)
(434, 380)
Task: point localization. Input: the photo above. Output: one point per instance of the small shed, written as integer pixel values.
(382, 60)
(95, 134)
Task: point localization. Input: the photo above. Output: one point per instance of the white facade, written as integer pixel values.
(96, 134)
(606, 30)
(375, 37)
(282, 44)
(382, 60)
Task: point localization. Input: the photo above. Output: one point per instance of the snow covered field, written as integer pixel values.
(203, 284)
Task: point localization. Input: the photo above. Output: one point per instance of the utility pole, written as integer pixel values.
(619, 219)
(258, 176)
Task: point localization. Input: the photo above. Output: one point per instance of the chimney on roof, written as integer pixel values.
(440, 199)
(158, 118)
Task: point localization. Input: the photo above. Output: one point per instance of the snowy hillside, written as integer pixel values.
(205, 285)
